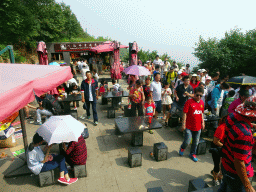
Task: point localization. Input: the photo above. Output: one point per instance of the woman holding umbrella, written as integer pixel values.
(38, 162)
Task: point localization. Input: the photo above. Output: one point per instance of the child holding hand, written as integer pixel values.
(150, 109)
(166, 98)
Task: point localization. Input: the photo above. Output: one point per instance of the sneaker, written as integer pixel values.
(215, 182)
(150, 131)
(96, 123)
(88, 117)
(38, 123)
(64, 181)
(181, 152)
(75, 108)
(193, 157)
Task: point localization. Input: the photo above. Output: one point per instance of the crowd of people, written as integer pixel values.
(189, 95)
(184, 94)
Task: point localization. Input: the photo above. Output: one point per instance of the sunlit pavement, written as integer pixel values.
(107, 163)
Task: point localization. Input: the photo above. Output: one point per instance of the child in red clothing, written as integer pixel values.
(217, 144)
(150, 109)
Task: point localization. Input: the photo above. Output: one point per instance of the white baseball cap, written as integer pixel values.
(200, 70)
(203, 70)
(194, 75)
(179, 72)
(208, 78)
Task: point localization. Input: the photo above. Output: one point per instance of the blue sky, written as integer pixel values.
(167, 26)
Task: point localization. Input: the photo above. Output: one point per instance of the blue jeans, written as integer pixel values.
(187, 139)
(58, 161)
(158, 106)
(40, 112)
(175, 107)
(93, 103)
(231, 184)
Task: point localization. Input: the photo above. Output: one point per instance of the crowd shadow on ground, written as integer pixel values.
(170, 179)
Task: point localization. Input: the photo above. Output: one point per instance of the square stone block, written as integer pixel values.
(197, 184)
(111, 113)
(46, 178)
(137, 138)
(104, 101)
(134, 157)
(160, 151)
(173, 121)
(80, 171)
(127, 112)
(201, 148)
(155, 189)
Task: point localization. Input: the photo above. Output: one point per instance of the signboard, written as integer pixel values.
(75, 46)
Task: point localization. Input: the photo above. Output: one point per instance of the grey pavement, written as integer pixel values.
(107, 163)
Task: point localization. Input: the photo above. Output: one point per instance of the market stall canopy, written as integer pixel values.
(106, 47)
(242, 80)
(19, 83)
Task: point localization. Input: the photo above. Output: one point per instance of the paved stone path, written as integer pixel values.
(107, 163)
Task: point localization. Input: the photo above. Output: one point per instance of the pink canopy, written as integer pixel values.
(19, 82)
(106, 47)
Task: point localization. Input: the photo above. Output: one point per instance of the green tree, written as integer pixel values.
(232, 55)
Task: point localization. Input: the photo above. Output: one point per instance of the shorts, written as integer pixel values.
(175, 107)
(158, 106)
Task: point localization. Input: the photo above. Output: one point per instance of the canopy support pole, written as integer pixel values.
(23, 127)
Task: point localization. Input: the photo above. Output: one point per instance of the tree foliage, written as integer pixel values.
(31, 21)
(234, 54)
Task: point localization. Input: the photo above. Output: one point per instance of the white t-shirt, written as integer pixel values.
(34, 159)
(116, 87)
(167, 67)
(158, 62)
(80, 64)
(203, 79)
(90, 92)
(156, 88)
(237, 93)
(96, 76)
(188, 71)
(70, 81)
(219, 102)
(83, 72)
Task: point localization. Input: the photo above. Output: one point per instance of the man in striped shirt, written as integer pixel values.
(237, 149)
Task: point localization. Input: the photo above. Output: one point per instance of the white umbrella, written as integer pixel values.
(137, 70)
(58, 129)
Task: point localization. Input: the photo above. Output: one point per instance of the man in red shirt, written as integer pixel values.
(193, 122)
(236, 159)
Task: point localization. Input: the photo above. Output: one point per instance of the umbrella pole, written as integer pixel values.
(23, 127)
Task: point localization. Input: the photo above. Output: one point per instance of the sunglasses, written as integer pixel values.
(199, 95)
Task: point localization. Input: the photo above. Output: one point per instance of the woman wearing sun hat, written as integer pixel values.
(194, 82)
(236, 159)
